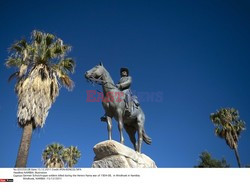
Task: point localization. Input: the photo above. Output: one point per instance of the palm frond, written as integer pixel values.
(60, 49)
(63, 77)
(67, 82)
(19, 46)
(48, 54)
(49, 39)
(13, 62)
(23, 70)
(23, 43)
(67, 65)
(14, 75)
(37, 36)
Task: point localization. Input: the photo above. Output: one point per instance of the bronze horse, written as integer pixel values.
(114, 105)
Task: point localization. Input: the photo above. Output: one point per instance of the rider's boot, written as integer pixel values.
(104, 118)
(128, 108)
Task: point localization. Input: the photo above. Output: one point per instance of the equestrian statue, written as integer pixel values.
(119, 103)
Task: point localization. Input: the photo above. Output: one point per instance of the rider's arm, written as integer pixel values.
(126, 84)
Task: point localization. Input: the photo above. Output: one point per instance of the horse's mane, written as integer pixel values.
(108, 75)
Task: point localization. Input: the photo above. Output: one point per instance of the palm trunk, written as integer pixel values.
(24, 146)
(237, 156)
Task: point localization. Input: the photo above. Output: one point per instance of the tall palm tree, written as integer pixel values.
(41, 66)
(71, 156)
(228, 126)
(52, 156)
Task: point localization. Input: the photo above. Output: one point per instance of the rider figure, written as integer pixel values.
(124, 85)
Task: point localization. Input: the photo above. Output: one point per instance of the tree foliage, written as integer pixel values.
(41, 67)
(57, 156)
(206, 161)
(52, 156)
(70, 156)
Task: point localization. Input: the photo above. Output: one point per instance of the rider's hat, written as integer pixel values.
(124, 69)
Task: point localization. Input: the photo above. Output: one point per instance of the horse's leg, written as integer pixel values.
(139, 131)
(120, 126)
(109, 126)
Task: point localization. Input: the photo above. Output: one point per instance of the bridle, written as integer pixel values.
(99, 81)
(96, 80)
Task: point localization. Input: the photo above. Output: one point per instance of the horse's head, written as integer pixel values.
(95, 74)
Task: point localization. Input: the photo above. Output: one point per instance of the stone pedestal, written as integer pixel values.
(111, 154)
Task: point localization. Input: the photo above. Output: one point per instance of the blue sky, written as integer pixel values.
(195, 53)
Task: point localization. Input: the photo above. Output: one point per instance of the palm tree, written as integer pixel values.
(71, 156)
(52, 156)
(41, 66)
(228, 126)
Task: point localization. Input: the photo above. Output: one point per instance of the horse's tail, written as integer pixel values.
(146, 138)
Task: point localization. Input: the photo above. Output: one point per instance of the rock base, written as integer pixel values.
(111, 154)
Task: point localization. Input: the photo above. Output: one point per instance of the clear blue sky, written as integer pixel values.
(195, 53)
